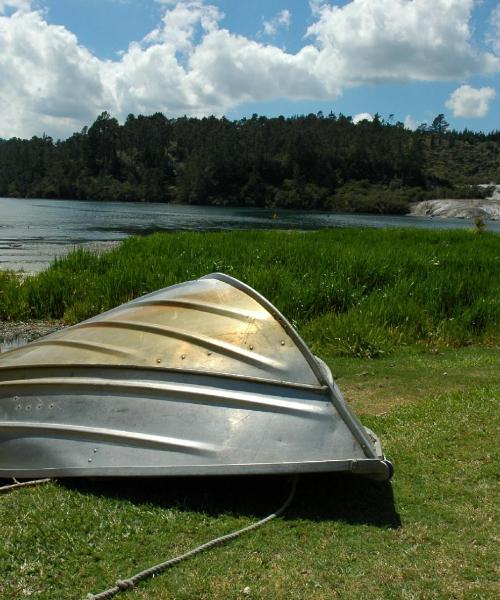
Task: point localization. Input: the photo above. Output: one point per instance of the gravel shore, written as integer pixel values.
(18, 333)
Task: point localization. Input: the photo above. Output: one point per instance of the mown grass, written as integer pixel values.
(353, 292)
(430, 534)
(409, 376)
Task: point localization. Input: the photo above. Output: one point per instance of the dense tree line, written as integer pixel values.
(312, 161)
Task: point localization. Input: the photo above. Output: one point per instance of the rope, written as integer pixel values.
(18, 484)
(123, 585)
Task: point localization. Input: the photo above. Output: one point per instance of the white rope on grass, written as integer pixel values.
(123, 585)
(18, 484)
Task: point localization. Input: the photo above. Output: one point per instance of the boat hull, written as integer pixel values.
(204, 378)
(137, 422)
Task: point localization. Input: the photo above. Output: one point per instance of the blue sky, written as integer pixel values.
(62, 62)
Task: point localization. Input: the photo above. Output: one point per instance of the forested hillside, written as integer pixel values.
(313, 161)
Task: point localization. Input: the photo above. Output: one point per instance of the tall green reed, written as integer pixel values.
(353, 291)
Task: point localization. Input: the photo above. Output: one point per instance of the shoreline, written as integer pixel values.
(34, 236)
(31, 267)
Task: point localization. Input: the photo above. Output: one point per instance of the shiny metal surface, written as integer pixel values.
(206, 325)
(205, 377)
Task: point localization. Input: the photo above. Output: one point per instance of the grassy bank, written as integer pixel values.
(353, 292)
(427, 535)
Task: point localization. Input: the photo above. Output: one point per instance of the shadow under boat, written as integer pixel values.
(319, 496)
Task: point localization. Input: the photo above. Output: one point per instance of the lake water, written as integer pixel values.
(33, 232)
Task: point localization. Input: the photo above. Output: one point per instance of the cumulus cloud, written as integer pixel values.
(467, 101)
(49, 82)
(191, 64)
(362, 117)
(395, 40)
(282, 19)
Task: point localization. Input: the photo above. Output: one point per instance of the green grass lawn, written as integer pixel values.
(428, 534)
(376, 386)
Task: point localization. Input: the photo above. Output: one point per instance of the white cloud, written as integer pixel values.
(316, 6)
(410, 123)
(493, 35)
(282, 19)
(191, 64)
(362, 117)
(285, 17)
(397, 40)
(14, 5)
(49, 82)
(467, 101)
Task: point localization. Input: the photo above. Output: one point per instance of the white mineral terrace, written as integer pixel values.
(488, 208)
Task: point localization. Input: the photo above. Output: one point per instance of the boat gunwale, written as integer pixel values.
(377, 468)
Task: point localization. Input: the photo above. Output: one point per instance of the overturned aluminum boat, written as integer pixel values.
(201, 378)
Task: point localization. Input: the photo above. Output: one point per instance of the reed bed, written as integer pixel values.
(353, 292)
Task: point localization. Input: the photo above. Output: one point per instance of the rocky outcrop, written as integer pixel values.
(496, 190)
(488, 208)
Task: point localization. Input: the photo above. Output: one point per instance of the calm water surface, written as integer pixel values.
(33, 232)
